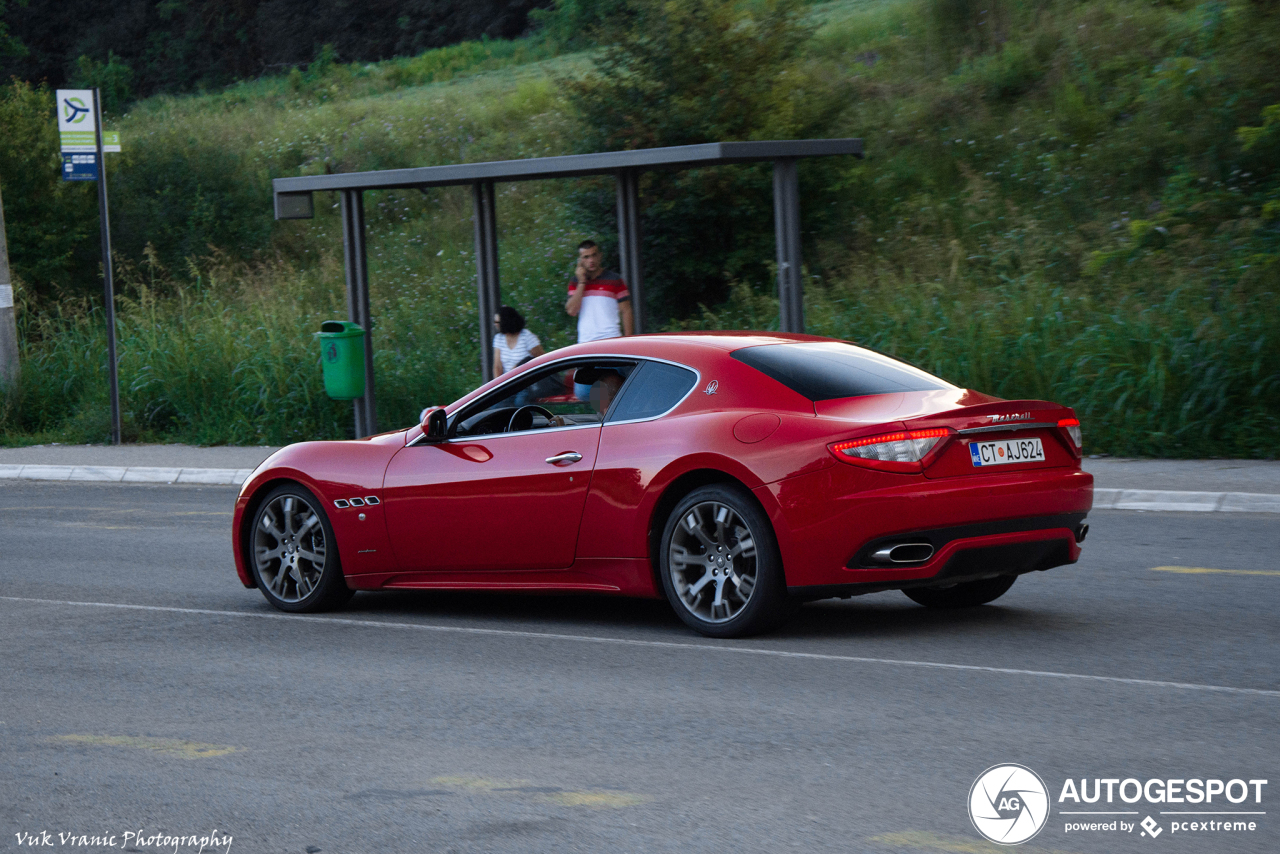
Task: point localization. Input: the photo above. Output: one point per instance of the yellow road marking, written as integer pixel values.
(551, 794)
(924, 841)
(167, 746)
(597, 799)
(1204, 570)
(482, 784)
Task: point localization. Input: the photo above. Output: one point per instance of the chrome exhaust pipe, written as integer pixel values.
(1082, 531)
(903, 553)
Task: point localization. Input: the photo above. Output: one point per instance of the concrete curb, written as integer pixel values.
(131, 474)
(1185, 502)
(1103, 499)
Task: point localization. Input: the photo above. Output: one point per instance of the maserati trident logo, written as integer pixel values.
(1008, 804)
(711, 387)
(1010, 416)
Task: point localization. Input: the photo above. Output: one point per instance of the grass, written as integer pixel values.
(1064, 212)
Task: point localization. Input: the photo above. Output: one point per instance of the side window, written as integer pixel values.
(654, 390)
(542, 400)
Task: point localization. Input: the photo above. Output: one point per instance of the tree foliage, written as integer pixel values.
(682, 73)
(51, 224)
(180, 45)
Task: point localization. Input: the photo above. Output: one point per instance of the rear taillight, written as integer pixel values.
(1072, 426)
(891, 451)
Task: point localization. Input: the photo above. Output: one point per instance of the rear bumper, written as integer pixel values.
(830, 522)
(965, 559)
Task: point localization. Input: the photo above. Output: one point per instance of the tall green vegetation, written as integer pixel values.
(1078, 201)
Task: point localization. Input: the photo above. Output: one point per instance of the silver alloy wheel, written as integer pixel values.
(289, 548)
(712, 560)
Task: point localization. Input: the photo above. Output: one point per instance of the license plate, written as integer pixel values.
(1007, 451)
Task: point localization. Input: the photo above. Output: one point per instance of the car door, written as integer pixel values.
(511, 501)
(504, 492)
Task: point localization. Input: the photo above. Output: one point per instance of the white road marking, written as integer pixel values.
(651, 644)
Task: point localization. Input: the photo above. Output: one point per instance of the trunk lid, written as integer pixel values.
(998, 431)
(974, 418)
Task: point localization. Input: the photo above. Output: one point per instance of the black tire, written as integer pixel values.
(293, 554)
(731, 547)
(967, 594)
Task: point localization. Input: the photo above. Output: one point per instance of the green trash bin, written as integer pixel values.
(342, 358)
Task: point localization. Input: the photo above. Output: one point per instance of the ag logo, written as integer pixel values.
(1008, 804)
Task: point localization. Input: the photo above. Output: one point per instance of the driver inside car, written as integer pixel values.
(507, 415)
(604, 390)
(605, 383)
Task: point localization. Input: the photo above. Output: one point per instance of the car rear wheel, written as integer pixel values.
(967, 594)
(293, 552)
(719, 563)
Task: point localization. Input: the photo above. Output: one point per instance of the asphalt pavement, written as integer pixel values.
(147, 695)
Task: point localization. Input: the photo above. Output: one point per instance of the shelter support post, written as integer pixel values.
(355, 263)
(488, 295)
(629, 242)
(786, 220)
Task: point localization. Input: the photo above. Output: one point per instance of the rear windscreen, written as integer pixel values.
(830, 370)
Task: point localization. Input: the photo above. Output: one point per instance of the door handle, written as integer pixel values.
(566, 457)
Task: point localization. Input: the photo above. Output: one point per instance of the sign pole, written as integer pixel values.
(8, 320)
(108, 282)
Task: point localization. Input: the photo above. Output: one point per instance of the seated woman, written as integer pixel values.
(513, 345)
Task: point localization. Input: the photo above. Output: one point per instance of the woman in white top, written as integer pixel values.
(513, 343)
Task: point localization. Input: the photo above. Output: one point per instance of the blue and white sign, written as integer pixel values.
(79, 167)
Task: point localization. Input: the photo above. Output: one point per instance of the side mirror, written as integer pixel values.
(434, 424)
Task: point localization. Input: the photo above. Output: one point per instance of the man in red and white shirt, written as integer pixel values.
(598, 298)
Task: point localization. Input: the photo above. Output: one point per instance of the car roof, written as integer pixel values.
(668, 344)
(683, 347)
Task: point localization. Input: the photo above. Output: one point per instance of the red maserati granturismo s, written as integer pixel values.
(734, 474)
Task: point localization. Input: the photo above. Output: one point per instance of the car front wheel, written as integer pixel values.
(719, 563)
(293, 553)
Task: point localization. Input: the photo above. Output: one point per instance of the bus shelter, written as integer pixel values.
(293, 200)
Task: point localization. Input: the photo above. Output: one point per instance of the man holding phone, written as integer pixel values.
(599, 299)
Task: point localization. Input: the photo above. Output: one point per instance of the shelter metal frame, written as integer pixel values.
(293, 200)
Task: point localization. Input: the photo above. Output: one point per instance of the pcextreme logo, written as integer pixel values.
(1009, 804)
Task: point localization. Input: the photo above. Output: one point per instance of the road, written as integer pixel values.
(469, 723)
